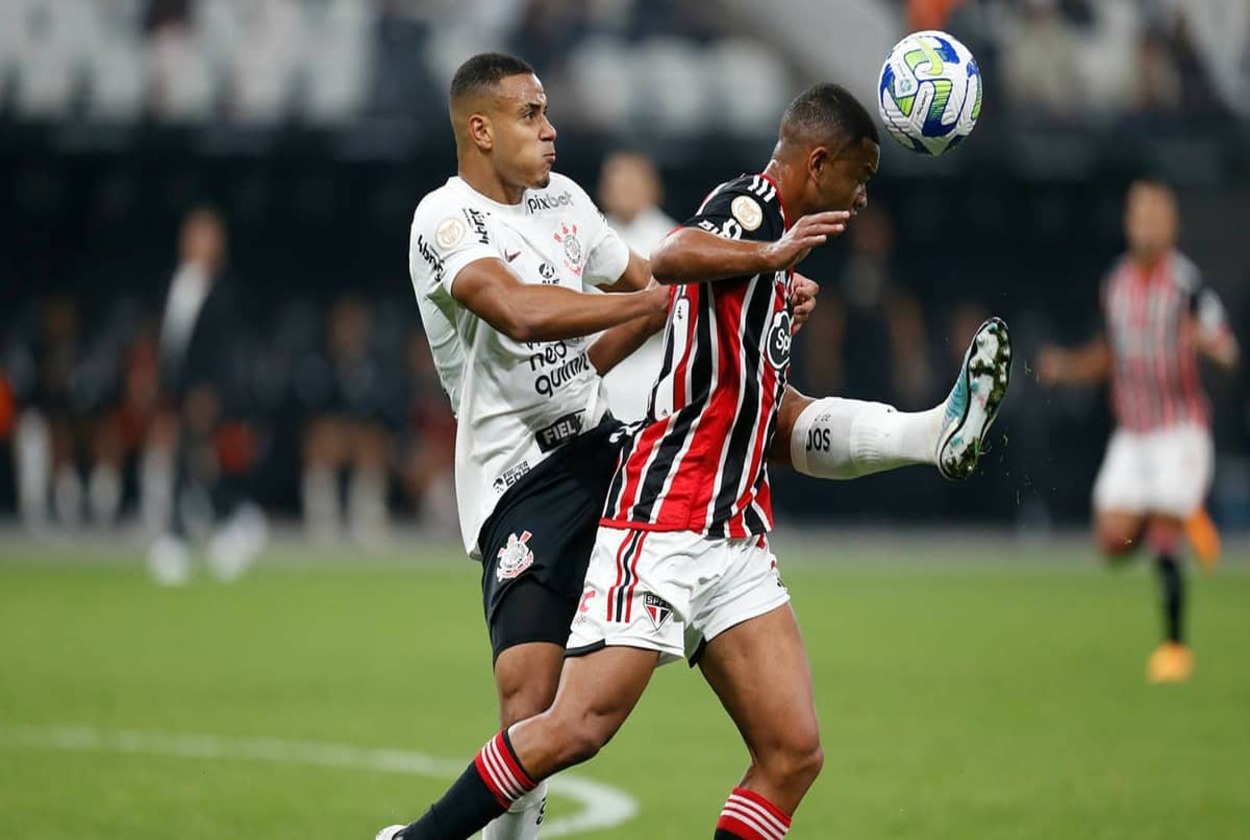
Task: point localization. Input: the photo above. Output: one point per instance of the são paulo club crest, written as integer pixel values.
(515, 557)
(567, 237)
(779, 339)
(657, 609)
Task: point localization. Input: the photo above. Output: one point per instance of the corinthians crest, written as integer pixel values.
(515, 557)
(567, 237)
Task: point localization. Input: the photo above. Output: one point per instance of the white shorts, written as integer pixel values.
(1167, 471)
(672, 591)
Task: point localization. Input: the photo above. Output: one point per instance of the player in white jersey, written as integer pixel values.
(501, 258)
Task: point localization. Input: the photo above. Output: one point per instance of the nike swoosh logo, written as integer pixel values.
(511, 257)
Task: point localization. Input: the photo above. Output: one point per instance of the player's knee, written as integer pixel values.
(523, 703)
(796, 765)
(1113, 543)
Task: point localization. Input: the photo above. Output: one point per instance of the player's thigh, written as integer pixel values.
(1182, 462)
(760, 671)
(528, 632)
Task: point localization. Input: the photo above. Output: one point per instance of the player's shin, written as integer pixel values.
(492, 784)
(842, 439)
(523, 819)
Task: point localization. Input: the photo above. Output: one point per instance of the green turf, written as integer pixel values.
(986, 699)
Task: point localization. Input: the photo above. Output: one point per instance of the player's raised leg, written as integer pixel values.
(839, 438)
(760, 672)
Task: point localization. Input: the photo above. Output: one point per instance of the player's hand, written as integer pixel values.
(807, 233)
(802, 301)
(661, 297)
(1052, 365)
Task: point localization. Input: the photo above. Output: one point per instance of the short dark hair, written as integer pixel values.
(485, 70)
(825, 110)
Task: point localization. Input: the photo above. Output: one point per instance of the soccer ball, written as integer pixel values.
(929, 92)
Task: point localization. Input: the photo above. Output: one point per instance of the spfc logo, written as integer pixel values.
(779, 340)
(657, 609)
(515, 557)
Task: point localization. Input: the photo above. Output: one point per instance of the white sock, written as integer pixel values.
(366, 508)
(842, 439)
(156, 488)
(321, 503)
(67, 497)
(522, 820)
(104, 494)
(32, 446)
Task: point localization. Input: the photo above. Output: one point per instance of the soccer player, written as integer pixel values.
(1160, 319)
(681, 565)
(501, 256)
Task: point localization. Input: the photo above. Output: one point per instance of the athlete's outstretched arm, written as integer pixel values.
(635, 278)
(524, 312)
(1087, 365)
(692, 255)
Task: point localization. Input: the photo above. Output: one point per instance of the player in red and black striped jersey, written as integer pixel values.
(681, 566)
(1160, 319)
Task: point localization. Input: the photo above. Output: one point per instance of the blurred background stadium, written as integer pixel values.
(978, 687)
(314, 126)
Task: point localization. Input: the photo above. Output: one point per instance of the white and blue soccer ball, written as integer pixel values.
(929, 92)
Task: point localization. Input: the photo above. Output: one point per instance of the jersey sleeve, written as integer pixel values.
(607, 255)
(734, 212)
(447, 237)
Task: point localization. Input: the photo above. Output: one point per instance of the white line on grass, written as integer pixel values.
(602, 806)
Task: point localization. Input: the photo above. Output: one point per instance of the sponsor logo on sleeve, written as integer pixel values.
(431, 257)
(477, 221)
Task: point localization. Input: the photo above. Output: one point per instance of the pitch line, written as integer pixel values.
(601, 806)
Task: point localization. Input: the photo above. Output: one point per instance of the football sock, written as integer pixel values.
(319, 492)
(749, 816)
(523, 819)
(842, 439)
(1172, 596)
(487, 788)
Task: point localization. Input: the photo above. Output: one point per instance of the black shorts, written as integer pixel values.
(538, 540)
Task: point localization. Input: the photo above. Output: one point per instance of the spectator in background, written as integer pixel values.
(1156, 78)
(630, 195)
(205, 319)
(350, 429)
(1042, 68)
(869, 319)
(428, 460)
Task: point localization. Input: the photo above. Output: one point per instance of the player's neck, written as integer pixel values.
(1148, 262)
(488, 183)
(783, 174)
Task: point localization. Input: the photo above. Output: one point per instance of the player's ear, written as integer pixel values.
(481, 132)
(817, 160)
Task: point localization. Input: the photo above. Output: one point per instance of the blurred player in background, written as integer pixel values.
(201, 331)
(630, 194)
(1159, 320)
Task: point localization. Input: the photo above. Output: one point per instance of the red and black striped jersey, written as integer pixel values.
(1149, 313)
(699, 462)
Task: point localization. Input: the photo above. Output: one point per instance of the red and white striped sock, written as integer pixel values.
(749, 816)
(502, 772)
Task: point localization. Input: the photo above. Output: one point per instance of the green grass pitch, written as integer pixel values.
(985, 696)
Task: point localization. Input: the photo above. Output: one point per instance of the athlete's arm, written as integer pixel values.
(611, 348)
(1219, 346)
(637, 275)
(523, 312)
(693, 255)
(1087, 365)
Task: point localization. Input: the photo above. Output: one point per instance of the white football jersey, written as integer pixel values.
(515, 402)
